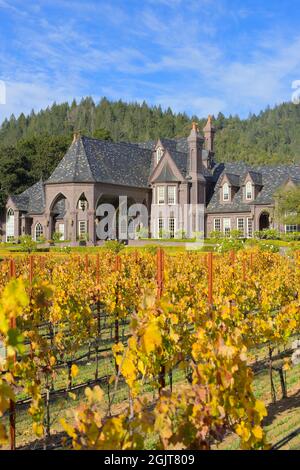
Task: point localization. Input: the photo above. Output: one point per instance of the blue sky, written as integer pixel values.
(198, 56)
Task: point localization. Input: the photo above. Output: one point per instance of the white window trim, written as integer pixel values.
(249, 219)
(158, 197)
(220, 220)
(10, 213)
(247, 185)
(35, 234)
(169, 230)
(62, 233)
(226, 227)
(158, 227)
(175, 195)
(226, 185)
(290, 225)
(79, 228)
(237, 224)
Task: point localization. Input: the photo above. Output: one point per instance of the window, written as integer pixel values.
(225, 192)
(171, 195)
(227, 227)
(38, 231)
(249, 191)
(172, 227)
(83, 204)
(10, 225)
(249, 228)
(61, 230)
(291, 228)
(241, 226)
(160, 228)
(159, 154)
(217, 225)
(82, 228)
(160, 195)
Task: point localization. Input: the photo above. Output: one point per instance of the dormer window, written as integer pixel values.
(249, 191)
(159, 154)
(225, 192)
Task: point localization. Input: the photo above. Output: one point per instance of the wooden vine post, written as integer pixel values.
(31, 264)
(210, 278)
(98, 293)
(160, 285)
(251, 261)
(12, 406)
(86, 264)
(117, 336)
(98, 314)
(244, 270)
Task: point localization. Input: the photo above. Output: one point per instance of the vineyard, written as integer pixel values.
(146, 350)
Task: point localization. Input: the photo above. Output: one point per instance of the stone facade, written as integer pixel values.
(178, 181)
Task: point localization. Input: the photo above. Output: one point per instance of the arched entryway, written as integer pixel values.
(264, 221)
(111, 211)
(58, 213)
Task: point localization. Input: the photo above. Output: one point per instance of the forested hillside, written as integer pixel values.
(31, 146)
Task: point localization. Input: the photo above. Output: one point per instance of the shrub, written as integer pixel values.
(84, 237)
(142, 232)
(152, 249)
(114, 245)
(267, 234)
(180, 235)
(215, 235)
(229, 244)
(291, 237)
(269, 248)
(27, 244)
(56, 237)
(236, 234)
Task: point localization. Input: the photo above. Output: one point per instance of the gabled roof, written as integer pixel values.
(234, 180)
(166, 174)
(92, 160)
(272, 178)
(256, 177)
(32, 200)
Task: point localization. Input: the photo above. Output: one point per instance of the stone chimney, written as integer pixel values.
(209, 135)
(195, 145)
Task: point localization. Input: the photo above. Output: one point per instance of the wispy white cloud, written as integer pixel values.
(199, 56)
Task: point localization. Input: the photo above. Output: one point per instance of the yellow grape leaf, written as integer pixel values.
(243, 431)
(257, 432)
(74, 370)
(95, 395)
(260, 408)
(52, 360)
(152, 338)
(38, 429)
(68, 428)
(72, 395)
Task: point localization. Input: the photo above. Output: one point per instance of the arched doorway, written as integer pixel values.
(112, 217)
(264, 221)
(58, 213)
